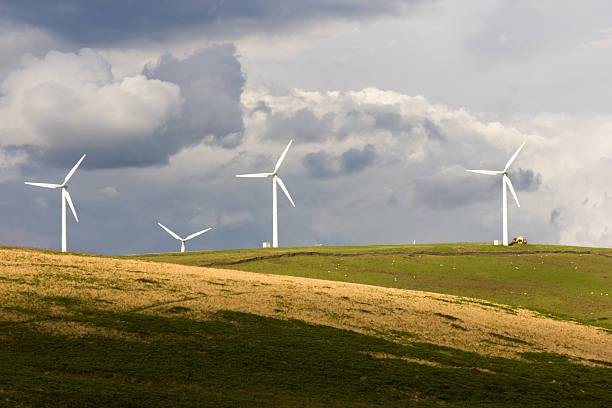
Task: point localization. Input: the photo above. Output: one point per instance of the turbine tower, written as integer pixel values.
(275, 180)
(183, 239)
(65, 197)
(505, 183)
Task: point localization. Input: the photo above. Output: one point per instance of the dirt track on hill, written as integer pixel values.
(408, 253)
(44, 290)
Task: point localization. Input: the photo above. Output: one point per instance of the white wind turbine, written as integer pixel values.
(65, 197)
(183, 239)
(505, 182)
(275, 180)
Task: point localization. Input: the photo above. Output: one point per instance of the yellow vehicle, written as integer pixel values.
(521, 240)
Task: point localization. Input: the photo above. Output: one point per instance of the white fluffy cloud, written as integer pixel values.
(72, 100)
(63, 105)
(408, 157)
(575, 161)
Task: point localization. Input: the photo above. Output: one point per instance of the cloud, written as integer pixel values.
(358, 114)
(41, 202)
(302, 124)
(109, 192)
(18, 39)
(555, 217)
(118, 21)
(70, 103)
(60, 106)
(10, 161)
(320, 165)
(368, 185)
(324, 165)
(261, 106)
(400, 124)
(356, 160)
(525, 180)
(408, 155)
(432, 130)
(211, 83)
(454, 189)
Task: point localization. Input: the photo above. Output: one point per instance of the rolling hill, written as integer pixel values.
(561, 281)
(379, 326)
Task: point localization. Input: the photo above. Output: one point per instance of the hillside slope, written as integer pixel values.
(84, 328)
(567, 282)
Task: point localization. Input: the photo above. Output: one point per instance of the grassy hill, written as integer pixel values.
(561, 281)
(96, 331)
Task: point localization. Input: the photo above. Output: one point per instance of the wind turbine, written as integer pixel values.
(275, 180)
(505, 182)
(65, 197)
(183, 239)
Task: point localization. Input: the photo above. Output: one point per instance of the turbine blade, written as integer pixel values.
(509, 183)
(197, 233)
(71, 172)
(488, 172)
(71, 205)
(284, 189)
(255, 175)
(169, 231)
(45, 185)
(513, 156)
(282, 157)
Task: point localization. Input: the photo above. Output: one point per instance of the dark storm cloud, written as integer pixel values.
(211, 83)
(109, 21)
(323, 165)
(525, 180)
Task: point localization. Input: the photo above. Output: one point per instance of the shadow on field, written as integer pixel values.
(240, 359)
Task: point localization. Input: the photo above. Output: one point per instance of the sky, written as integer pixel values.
(387, 104)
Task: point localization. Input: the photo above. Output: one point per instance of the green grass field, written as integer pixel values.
(221, 256)
(573, 285)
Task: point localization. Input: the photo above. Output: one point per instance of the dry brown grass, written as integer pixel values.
(35, 287)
